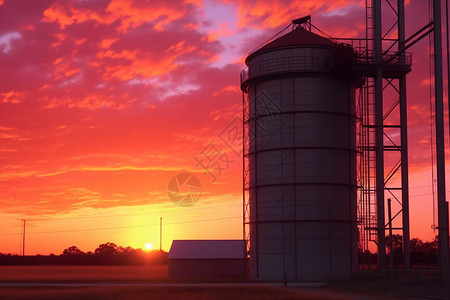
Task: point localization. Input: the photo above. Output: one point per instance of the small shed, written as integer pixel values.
(207, 259)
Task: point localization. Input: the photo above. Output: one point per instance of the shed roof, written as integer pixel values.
(207, 249)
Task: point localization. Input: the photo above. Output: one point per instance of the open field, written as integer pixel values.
(151, 282)
(83, 273)
(196, 292)
(138, 293)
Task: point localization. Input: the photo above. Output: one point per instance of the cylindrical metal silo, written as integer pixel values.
(300, 159)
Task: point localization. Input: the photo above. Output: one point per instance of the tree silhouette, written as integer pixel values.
(105, 254)
(397, 247)
(424, 252)
(107, 250)
(73, 251)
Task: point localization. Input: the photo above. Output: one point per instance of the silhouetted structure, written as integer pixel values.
(300, 158)
(207, 259)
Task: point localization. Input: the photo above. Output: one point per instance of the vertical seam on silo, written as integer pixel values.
(350, 178)
(295, 177)
(244, 203)
(256, 184)
(283, 225)
(330, 264)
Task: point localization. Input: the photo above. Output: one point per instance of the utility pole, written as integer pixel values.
(23, 237)
(391, 239)
(160, 234)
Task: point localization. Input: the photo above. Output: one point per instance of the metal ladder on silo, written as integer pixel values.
(369, 211)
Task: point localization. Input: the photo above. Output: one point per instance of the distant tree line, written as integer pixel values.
(422, 253)
(105, 254)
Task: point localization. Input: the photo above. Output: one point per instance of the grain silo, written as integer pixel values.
(300, 158)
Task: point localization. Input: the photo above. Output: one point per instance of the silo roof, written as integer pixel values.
(296, 37)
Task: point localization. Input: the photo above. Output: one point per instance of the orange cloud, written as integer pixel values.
(147, 63)
(133, 15)
(198, 3)
(90, 102)
(64, 69)
(68, 15)
(61, 37)
(146, 68)
(222, 31)
(180, 48)
(78, 42)
(229, 88)
(106, 43)
(130, 13)
(11, 97)
(126, 54)
(271, 14)
(138, 63)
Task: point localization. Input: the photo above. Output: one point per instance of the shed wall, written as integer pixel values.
(206, 269)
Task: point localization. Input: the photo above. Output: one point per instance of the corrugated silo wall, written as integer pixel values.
(302, 169)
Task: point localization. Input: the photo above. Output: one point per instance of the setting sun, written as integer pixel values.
(149, 246)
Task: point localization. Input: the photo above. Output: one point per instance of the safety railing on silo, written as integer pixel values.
(307, 63)
(394, 63)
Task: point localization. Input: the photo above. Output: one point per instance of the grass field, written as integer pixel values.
(83, 273)
(152, 282)
(141, 293)
(120, 275)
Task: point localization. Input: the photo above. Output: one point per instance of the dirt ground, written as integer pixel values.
(83, 273)
(151, 282)
(184, 292)
(138, 293)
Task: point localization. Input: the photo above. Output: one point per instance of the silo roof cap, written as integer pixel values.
(297, 37)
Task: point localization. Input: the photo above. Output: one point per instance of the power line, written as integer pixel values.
(125, 227)
(420, 195)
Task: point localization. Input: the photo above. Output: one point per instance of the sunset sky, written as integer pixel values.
(102, 102)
